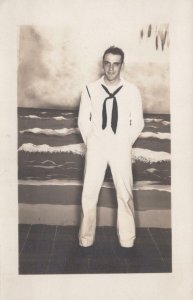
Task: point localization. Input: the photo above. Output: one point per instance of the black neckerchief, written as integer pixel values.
(114, 118)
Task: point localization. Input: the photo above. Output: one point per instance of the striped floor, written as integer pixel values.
(46, 249)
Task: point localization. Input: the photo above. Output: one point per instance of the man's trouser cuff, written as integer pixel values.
(85, 242)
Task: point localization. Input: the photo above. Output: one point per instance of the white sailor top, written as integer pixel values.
(129, 123)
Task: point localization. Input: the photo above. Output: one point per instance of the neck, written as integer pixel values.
(113, 82)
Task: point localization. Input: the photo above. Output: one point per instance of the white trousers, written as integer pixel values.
(100, 152)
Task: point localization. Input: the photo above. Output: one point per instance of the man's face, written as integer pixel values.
(112, 67)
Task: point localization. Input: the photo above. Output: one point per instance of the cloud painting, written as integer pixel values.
(54, 64)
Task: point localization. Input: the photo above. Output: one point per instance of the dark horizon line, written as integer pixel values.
(51, 108)
(76, 109)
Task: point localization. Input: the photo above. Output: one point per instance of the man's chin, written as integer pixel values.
(111, 78)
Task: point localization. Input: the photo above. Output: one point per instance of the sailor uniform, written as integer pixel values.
(110, 120)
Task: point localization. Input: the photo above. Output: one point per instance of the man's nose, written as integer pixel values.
(111, 67)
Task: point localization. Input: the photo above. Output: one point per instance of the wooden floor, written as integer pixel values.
(45, 249)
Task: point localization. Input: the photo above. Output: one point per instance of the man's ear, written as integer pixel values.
(100, 69)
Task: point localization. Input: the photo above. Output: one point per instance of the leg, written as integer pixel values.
(121, 167)
(95, 167)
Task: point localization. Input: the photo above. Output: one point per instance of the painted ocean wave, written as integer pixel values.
(50, 164)
(69, 165)
(49, 131)
(155, 120)
(31, 117)
(67, 131)
(138, 185)
(58, 118)
(73, 166)
(140, 154)
(61, 117)
(79, 149)
(68, 113)
(149, 156)
(157, 135)
(51, 149)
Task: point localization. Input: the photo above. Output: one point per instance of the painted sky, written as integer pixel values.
(54, 64)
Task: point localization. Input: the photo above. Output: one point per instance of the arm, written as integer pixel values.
(84, 122)
(137, 121)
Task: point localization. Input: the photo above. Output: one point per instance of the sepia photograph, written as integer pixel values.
(96, 149)
(94, 167)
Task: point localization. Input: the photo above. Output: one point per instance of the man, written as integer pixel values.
(110, 120)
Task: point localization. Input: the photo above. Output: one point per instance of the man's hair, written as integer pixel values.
(116, 51)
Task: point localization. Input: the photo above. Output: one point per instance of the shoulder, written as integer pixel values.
(91, 89)
(131, 87)
(94, 84)
(133, 93)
